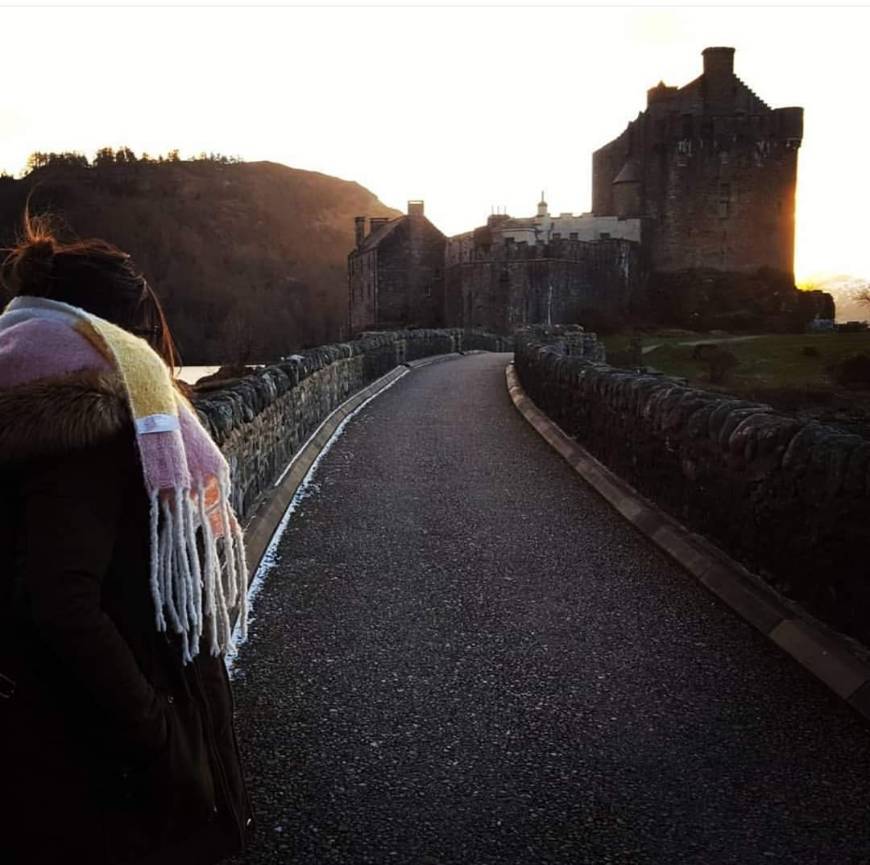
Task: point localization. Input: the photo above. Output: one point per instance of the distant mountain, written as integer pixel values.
(846, 291)
(249, 258)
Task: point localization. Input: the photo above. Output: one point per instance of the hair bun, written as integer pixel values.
(32, 264)
(38, 249)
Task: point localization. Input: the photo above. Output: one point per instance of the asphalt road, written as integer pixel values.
(465, 657)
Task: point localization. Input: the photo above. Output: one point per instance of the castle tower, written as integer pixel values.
(542, 206)
(712, 169)
(626, 191)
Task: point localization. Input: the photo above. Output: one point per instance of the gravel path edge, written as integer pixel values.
(826, 655)
(260, 528)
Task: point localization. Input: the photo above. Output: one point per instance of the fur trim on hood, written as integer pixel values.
(50, 416)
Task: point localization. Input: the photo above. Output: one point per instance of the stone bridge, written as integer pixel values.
(462, 653)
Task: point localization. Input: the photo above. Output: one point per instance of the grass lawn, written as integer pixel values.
(771, 368)
(767, 361)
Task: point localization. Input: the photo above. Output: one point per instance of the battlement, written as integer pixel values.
(466, 250)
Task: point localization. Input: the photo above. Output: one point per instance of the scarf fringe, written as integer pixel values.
(197, 578)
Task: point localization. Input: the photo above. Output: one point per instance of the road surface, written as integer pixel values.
(465, 657)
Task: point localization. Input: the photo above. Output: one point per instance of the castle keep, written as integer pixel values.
(711, 169)
(692, 224)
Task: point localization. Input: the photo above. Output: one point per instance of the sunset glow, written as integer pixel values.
(468, 109)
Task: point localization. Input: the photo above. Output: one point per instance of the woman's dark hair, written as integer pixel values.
(91, 274)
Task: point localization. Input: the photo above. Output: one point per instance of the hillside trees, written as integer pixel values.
(67, 159)
(108, 156)
(249, 259)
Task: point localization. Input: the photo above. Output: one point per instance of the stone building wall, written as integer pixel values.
(731, 207)
(261, 421)
(568, 226)
(789, 498)
(362, 270)
(711, 169)
(502, 285)
(410, 276)
(396, 273)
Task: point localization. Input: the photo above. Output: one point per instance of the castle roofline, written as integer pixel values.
(630, 173)
(380, 233)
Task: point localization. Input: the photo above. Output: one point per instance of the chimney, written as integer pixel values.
(359, 226)
(415, 208)
(377, 221)
(718, 62)
(719, 85)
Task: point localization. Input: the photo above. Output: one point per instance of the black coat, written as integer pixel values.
(111, 749)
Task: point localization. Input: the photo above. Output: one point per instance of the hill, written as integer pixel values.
(248, 258)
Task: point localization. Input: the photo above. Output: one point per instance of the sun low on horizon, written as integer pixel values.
(468, 109)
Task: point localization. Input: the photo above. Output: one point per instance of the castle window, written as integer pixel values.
(572, 235)
(724, 199)
(557, 235)
(604, 235)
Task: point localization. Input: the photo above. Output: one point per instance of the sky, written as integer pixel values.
(467, 108)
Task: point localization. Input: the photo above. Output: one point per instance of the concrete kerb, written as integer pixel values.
(260, 528)
(826, 655)
(262, 524)
(427, 361)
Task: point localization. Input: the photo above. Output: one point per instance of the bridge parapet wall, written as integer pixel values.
(261, 421)
(571, 340)
(788, 498)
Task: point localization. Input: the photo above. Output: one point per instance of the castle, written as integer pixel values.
(692, 224)
(711, 170)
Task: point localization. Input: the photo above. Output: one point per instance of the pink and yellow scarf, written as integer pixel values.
(195, 586)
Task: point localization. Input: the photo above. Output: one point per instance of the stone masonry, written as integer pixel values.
(692, 225)
(712, 171)
(789, 498)
(396, 273)
(261, 421)
(502, 285)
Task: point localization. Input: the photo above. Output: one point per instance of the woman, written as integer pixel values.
(121, 569)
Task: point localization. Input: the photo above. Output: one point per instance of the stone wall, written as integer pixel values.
(713, 170)
(764, 301)
(396, 274)
(789, 498)
(261, 421)
(502, 285)
(410, 289)
(362, 286)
